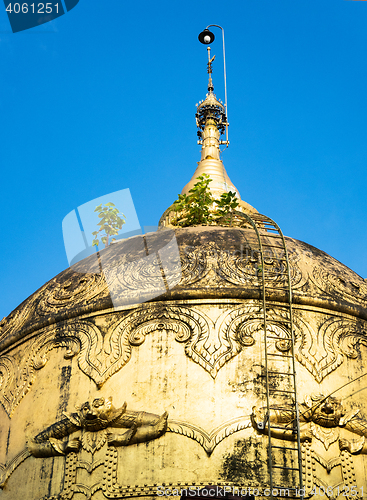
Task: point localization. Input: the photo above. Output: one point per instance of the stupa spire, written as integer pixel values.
(211, 121)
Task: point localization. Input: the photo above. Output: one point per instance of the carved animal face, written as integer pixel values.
(327, 413)
(95, 415)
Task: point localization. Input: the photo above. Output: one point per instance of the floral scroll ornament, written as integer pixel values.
(207, 342)
(323, 351)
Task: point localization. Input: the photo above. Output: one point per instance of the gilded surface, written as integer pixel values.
(223, 258)
(94, 426)
(323, 419)
(210, 341)
(87, 429)
(197, 352)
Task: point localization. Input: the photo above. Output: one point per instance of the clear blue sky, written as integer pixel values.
(103, 99)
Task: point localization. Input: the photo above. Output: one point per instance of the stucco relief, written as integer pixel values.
(17, 318)
(79, 288)
(322, 351)
(209, 263)
(208, 342)
(209, 440)
(314, 467)
(90, 438)
(344, 285)
(96, 426)
(8, 372)
(323, 419)
(16, 378)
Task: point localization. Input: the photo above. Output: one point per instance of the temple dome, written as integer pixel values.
(172, 323)
(224, 355)
(214, 261)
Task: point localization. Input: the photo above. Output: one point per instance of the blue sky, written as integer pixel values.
(103, 99)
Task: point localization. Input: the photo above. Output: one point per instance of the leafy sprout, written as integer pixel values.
(196, 206)
(226, 205)
(111, 222)
(200, 207)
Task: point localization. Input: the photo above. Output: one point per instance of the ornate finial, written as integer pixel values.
(210, 71)
(212, 122)
(211, 108)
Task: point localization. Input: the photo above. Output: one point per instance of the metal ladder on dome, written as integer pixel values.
(270, 238)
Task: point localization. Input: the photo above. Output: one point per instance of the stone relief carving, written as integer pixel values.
(344, 285)
(88, 428)
(95, 428)
(78, 288)
(210, 264)
(323, 351)
(208, 343)
(322, 419)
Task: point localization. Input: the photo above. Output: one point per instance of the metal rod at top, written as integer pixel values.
(225, 78)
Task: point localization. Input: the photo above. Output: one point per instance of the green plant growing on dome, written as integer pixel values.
(227, 203)
(200, 207)
(111, 222)
(195, 207)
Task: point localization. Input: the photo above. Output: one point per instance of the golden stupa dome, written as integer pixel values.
(224, 355)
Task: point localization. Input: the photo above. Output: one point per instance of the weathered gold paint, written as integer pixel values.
(209, 387)
(195, 353)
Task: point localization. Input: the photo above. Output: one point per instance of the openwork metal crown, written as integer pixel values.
(211, 108)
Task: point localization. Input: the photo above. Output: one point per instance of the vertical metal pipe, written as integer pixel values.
(225, 78)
